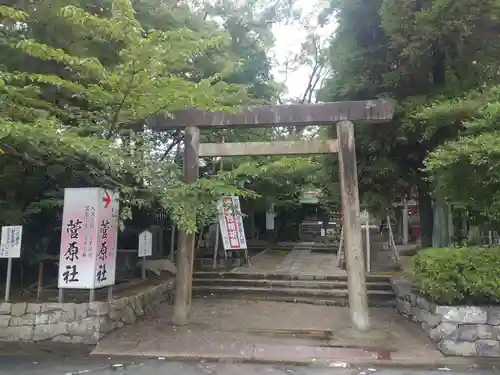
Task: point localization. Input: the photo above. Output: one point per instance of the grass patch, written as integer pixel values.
(406, 268)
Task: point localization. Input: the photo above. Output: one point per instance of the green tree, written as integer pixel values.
(81, 127)
(74, 94)
(466, 169)
(419, 52)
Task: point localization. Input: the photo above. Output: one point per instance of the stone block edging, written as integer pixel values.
(79, 323)
(465, 331)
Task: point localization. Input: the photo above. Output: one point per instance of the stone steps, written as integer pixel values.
(310, 231)
(311, 289)
(306, 284)
(296, 295)
(283, 276)
(325, 247)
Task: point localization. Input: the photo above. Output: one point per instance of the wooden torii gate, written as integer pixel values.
(341, 114)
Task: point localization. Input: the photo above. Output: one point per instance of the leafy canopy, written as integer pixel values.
(74, 105)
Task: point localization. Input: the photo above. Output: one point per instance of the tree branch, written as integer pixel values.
(177, 139)
(120, 105)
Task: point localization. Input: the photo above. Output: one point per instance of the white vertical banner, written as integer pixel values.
(89, 233)
(231, 223)
(10, 245)
(105, 271)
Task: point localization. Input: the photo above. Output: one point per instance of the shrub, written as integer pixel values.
(453, 276)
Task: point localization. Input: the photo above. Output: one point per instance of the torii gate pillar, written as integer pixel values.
(356, 281)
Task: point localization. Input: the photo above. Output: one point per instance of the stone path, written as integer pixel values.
(299, 261)
(266, 261)
(272, 331)
(302, 261)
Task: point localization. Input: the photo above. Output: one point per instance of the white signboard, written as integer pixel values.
(145, 244)
(231, 223)
(10, 246)
(89, 234)
(270, 215)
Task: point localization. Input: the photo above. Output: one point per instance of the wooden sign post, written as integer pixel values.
(10, 247)
(145, 248)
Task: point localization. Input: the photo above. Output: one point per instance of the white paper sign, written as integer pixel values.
(231, 223)
(88, 238)
(10, 245)
(145, 244)
(270, 215)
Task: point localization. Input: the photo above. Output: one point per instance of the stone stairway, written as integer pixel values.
(310, 289)
(325, 247)
(311, 232)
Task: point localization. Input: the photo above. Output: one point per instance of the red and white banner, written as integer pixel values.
(231, 223)
(88, 238)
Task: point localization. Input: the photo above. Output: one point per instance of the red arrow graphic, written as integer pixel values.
(106, 200)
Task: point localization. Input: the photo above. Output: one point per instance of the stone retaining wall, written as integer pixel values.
(467, 331)
(83, 323)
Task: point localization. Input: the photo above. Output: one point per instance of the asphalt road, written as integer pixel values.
(25, 365)
(26, 359)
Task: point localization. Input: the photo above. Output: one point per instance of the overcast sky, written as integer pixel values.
(289, 39)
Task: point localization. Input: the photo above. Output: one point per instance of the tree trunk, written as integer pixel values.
(426, 213)
(185, 250)
(440, 234)
(424, 189)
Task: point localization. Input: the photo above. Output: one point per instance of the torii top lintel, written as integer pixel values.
(380, 110)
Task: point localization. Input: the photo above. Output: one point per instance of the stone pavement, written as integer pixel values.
(266, 331)
(305, 262)
(299, 261)
(302, 261)
(266, 261)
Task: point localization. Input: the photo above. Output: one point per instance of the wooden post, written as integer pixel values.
(358, 301)
(405, 222)
(451, 227)
(216, 246)
(40, 281)
(185, 253)
(172, 242)
(368, 245)
(177, 161)
(8, 280)
(143, 268)
(161, 243)
(341, 252)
